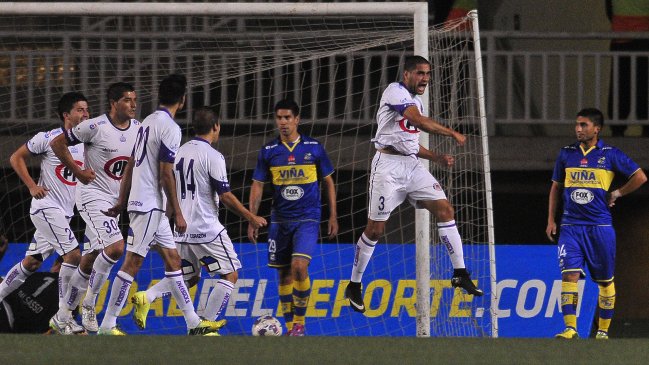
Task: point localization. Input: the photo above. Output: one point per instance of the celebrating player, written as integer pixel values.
(201, 182)
(584, 171)
(52, 205)
(293, 163)
(109, 141)
(148, 173)
(397, 174)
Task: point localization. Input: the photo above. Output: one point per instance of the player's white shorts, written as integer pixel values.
(52, 233)
(393, 179)
(101, 230)
(218, 257)
(148, 229)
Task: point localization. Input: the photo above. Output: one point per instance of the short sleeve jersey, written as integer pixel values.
(394, 130)
(57, 178)
(201, 176)
(107, 149)
(586, 177)
(294, 172)
(157, 140)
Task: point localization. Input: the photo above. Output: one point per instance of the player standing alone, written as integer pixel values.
(397, 174)
(293, 163)
(149, 172)
(585, 170)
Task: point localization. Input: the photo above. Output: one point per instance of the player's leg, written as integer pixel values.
(305, 240)
(571, 263)
(219, 257)
(601, 265)
(279, 257)
(17, 275)
(285, 290)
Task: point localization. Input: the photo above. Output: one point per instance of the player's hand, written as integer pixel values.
(613, 197)
(257, 222)
(332, 231)
(179, 222)
(551, 231)
(253, 233)
(38, 192)
(85, 176)
(459, 138)
(445, 160)
(114, 211)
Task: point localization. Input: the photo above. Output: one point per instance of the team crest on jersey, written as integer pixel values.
(65, 175)
(405, 126)
(122, 139)
(115, 167)
(308, 156)
(601, 162)
(437, 186)
(92, 126)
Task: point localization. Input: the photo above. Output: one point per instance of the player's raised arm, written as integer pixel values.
(440, 158)
(60, 146)
(429, 125)
(256, 190)
(17, 161)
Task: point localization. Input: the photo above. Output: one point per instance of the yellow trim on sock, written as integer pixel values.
(286, 289)
(303, 285)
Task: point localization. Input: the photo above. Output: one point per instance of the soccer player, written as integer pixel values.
(201, 182)
(397, 174)
(148, 173)
(52, 204)
(293, 163)
(584, 172)
(108, 141)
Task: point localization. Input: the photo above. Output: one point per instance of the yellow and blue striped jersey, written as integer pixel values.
(294, 170)
(586, 176)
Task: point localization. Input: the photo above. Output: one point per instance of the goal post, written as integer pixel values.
(335, 59)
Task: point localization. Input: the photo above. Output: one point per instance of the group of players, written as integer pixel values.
(122, 163)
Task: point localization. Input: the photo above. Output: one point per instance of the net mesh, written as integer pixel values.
(334, 67)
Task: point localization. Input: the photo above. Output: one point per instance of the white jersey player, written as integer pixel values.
(201, 181)
(109, 141)
(397, 175)
(52, 204)
(149, 171)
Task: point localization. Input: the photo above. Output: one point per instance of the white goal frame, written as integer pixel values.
(419, 12)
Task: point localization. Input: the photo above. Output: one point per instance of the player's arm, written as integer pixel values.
(635, 181)
(431, 126)
(553, 203)
(440, 158)
(330, 187)
(60, 148)
(232, 203)
(168, 182)
(256, 190)
(124, 190)
(17, 161)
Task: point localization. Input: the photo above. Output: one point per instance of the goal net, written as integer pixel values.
(335, 64)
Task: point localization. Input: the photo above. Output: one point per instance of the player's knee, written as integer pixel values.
(73, 257)
(374, 231)
(32, 263)
(572, 277)
(231, 277)
(115, 251)
(300, 268)
(192, 281)
(444, 212)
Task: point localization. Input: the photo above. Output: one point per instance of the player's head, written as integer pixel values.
(589, 123)
(205, 121)
(416, 74)
(122, 101)
(72, 109)
(172, 90)
(287, 117)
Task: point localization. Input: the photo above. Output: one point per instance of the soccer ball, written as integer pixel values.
(266, 326)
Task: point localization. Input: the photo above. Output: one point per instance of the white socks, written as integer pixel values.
(181, 294)
(362, 254)
(218, 299)
(118, 297)
(76, 288)
(450, 237)
(65, 274)
(100, 272)
(15, 277)
(161, 289)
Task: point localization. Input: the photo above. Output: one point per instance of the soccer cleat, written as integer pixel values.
(298, 330)
(462, 279)
(355, 296)
(60, 327)
(205, 326)
(115, 331)
(141, 311)
(89, 318)
(568, 334)
(76, 328)
(601, 335)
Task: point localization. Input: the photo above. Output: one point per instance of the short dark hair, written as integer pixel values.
(594, 114)
(67, 101)
(116, 91)
(410, 62)
(288, 104)
(204, 120)
(172, 89)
